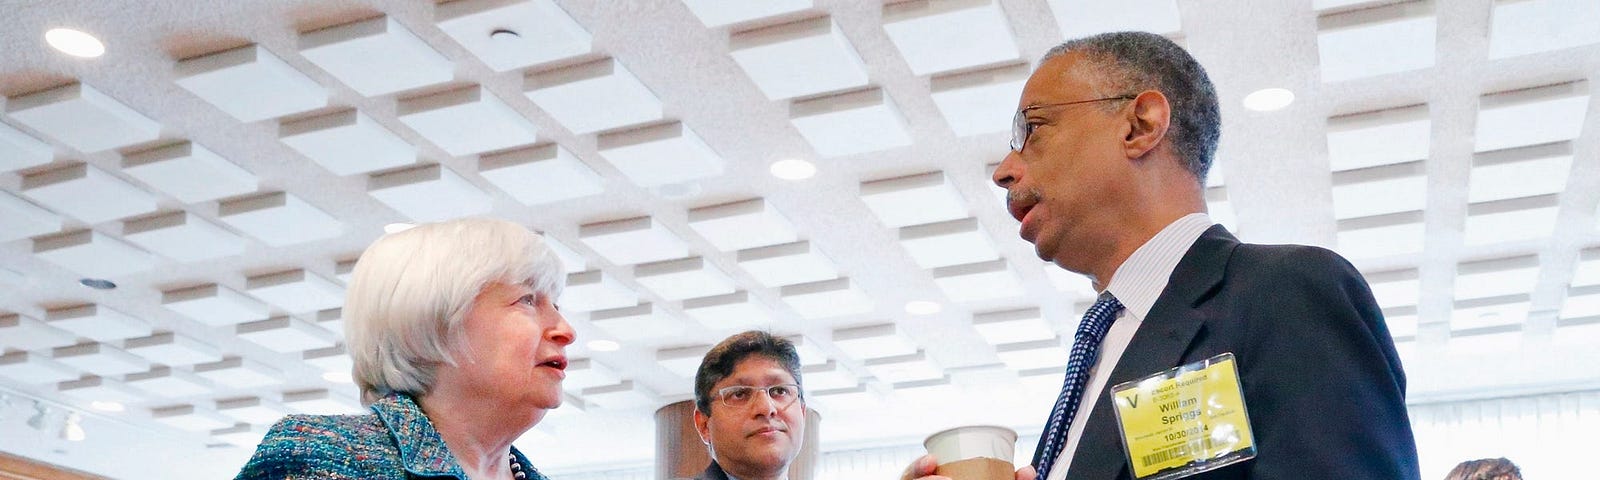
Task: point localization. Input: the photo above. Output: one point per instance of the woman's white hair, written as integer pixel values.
(411, 291)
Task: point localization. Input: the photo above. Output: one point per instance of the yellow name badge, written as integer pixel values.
(1185, 420)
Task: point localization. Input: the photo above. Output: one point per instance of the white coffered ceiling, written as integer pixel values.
(225, 162)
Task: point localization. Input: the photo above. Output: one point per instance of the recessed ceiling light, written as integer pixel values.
(397, 227)
(1268, 99)
(107, 406)
(338, 377)
(75, 43)
(97, 283)
(793, 169)
(923, 307)
(603, 345)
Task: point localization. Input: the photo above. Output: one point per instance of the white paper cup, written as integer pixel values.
(976, 452)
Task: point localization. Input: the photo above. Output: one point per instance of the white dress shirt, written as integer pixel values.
(1137, 283)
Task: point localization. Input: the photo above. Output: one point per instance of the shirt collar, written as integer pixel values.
(1142, 277)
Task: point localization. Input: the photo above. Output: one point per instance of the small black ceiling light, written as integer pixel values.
(97, 283)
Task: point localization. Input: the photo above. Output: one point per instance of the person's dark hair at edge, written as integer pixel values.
(1485, 469)
(721, 360)
(1132, 62)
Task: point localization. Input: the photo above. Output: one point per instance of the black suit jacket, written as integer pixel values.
(713, 472)
(1322, 384)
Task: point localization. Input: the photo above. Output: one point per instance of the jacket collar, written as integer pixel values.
(1158, 345)
(422, 450)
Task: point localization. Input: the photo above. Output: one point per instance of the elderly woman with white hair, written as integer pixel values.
(458, 350)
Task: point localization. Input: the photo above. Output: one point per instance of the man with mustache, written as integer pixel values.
(749, 408)
(1112, 140)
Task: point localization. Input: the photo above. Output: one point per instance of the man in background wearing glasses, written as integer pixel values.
(749, 408)
(1113, 137)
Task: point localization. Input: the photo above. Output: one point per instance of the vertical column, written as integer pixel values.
(680, 455)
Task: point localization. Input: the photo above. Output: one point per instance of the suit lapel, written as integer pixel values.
(1159, 344)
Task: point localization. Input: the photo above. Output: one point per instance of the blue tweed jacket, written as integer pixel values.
(395, 442)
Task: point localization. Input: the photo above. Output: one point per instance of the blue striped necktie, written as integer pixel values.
(1085, 349)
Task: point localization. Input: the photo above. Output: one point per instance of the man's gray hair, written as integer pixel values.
(411, 291)
(1132, 62)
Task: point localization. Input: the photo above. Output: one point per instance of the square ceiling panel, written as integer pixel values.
(21, 219)
(376, 56)
(285, 334)
(19, 150)
(428, 193)
(32, 368)
(1012, 326)
(595, 290)
(296, 291)
(1402, 321)
(1588, 269)
(172, 349)
(1082, 18)
(100, 389)
(320, 401)
(683, 278)
(633, 241)
(1077, 284)
(874, 341)
(214, 305)
(513, 34)
(1381, 236)
(1525, 27)
(943, 244)
(826, 299)
(1380, 190)
(827, 376)
(787, 264)
(810, 352)
(940, 36)
(190, 418)
(541, 174)
(93, 254)
(683, 361)
(662, 154)
(1033, 355)
(905, 368)
(586, 372)
(593, 96)
(1395, 288)
(914, 199)
(97, 322)
(1514, 220)
(466, 121)
(1520, 172)
(1581, 302)
(1496, 277)
(741, 225)
(254, 410)
(571, 260)
(850, 123)
(347, 142)
(99, 359)
(189, 172)
(87, 193)
(621, 396)
(250, 84)
(279, 219)
(638, 324)
(717, 13)
(977, 282)
(240, 373)
(332, 359)
(183, 236)
(984, 101)
(1531, 116)
(1489, 312)
(1376, 41)
(1370, 139)
(798, 59)
(20, 332)
(168, 382)
(734, 311)
(82, 118)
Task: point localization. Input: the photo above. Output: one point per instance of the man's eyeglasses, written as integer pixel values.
(1021, 129)
(740, 396)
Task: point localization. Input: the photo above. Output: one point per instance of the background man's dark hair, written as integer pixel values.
(1485, 469)
(1132, 62)
(723, 358)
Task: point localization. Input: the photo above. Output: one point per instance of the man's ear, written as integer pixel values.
(701, 424)
(1147, 121)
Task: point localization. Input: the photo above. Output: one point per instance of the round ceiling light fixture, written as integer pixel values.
(97, 283)
(792, 169)
(75, 43)
(1268, 99)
